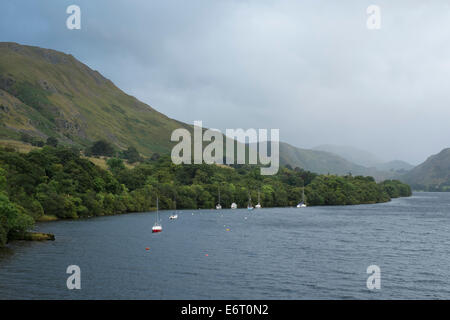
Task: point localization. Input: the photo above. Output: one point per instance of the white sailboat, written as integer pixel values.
(218, 205)
(258, 206)
(302, 203)
(157, 227)
(174, 216)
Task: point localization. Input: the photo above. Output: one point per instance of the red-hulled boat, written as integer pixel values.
(157, 227)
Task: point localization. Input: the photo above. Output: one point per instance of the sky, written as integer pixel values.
(312, 69)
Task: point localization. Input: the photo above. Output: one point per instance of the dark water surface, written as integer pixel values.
(281, 253)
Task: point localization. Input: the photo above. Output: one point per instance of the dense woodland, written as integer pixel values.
(57, 182)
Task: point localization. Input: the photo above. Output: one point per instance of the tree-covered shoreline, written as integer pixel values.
(58, 183)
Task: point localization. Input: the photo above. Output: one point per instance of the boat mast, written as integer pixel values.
(303, 193)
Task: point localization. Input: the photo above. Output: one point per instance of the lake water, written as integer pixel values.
(280, 253)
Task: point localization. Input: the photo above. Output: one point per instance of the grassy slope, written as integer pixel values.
(25, 148)
(67, 99)
(17, 145)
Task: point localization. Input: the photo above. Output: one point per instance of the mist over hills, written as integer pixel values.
(48, 93)
(324, 162)
(355, 155)
(366, 158)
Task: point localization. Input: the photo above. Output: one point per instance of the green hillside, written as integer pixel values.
(431, 175)
(48, 93)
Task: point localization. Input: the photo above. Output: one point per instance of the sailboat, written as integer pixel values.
(218, 205)
(234, 205)
(249, 205)
(157, 227)
(174, 216)
(258, 206)
(302, 203)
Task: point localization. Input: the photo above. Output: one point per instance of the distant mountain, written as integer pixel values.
(431, 175)
(325, 162)
(395, 165)
(365, 158)
(355, 155)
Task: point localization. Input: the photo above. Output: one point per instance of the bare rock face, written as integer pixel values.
(6, 82)
(53, 56)
(67, 125)
(47, 86)
(4, 109)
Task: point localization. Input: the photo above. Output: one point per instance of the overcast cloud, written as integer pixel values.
(310, 68)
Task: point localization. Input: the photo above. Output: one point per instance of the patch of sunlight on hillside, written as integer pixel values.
(17, 145)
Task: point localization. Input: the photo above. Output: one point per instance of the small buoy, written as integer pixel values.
(147, 248)
(228, 229)
(206, 255)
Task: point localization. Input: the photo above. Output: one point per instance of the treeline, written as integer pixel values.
(58, 182)
(347, 190)
(396, 188)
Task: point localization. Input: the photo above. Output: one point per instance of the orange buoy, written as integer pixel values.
(147, 248)
(206, 255)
